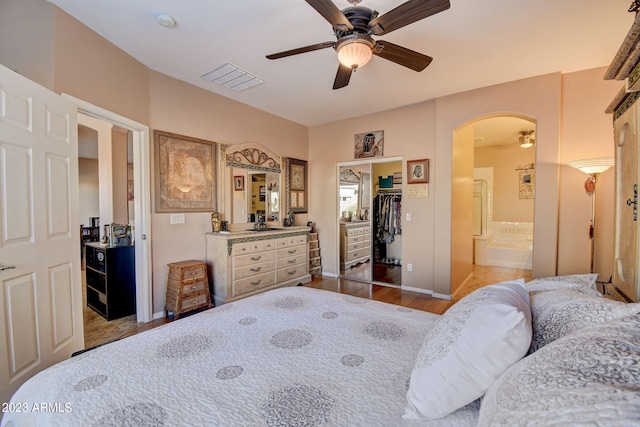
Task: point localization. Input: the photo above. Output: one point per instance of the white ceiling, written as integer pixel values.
(474, 44)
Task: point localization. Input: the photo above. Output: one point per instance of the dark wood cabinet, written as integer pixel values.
(111, 280)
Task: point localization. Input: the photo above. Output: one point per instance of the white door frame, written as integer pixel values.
(141, 203)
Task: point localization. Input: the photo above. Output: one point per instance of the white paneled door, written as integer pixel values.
(40, 284)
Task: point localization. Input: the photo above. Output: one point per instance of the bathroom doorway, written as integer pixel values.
(499, 150)
(504, 161)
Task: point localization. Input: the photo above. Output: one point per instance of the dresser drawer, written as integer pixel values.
(291, 251)
(284, 274)
(291, 261)
(250, 284)
(353, 255)
(194, 286)
(250, 259)
(252, 270)
(193, 302)
(351, 232)
(286, 242)
(353, 246)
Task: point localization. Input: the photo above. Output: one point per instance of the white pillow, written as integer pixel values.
(470, 346)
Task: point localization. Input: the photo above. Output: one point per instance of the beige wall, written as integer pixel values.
(586, 132)
(461, 206)
(89, 205)
(505, 159)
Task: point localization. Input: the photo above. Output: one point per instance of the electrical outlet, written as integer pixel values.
(409, 267)
(409, 216)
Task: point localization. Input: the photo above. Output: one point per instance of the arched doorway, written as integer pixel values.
(493, 190)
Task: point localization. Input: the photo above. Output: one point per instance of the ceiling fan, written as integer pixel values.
(354, 28)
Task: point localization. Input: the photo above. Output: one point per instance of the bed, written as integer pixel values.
(305, 357)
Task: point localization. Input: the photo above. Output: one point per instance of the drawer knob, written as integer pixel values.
(290, 273)
(257, 282)
(256, 269)
(256, 258)
(292, 261)
(292, 251)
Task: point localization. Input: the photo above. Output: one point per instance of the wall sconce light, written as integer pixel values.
(592, 167)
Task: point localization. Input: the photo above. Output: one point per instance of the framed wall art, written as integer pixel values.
(296, 180)
(238, 183)
(184, 173)
(368, 144)
(418, 171)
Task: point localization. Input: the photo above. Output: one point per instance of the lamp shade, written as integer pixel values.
(354, 54)
(593, 166)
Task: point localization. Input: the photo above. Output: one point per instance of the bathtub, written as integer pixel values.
(510, 248)
(506, 247)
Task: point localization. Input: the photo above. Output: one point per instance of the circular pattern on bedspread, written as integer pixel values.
(330, 315)
(246, 321)
(90, 383)
(229, 372)
(290, 339)
(289, 303)
(352, 360)
(139, 414)
(298, 405)
(184, 346)
(404, 309)
(387, 331)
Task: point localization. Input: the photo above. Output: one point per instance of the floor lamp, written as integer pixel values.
(592, 167)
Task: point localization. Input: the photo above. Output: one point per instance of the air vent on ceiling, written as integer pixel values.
(233, 78)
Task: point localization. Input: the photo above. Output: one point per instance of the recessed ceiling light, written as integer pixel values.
(233, 78)
(166, 20)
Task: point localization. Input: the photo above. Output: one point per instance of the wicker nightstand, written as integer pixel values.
(187, 287)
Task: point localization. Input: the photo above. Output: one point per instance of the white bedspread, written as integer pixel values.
(289, 357)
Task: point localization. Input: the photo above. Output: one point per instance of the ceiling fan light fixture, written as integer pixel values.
(354, 51)
(526, 139)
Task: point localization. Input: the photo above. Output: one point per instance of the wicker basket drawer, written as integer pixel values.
(195, 286)
(249, 284)
(314, 262)
(313, 245)
(194, 272)
(194, 302)
(314, 253)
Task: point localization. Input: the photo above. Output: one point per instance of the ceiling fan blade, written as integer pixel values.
(331, 13)
(405, 14)
(342, 77)
(310, 48)
(401, 55)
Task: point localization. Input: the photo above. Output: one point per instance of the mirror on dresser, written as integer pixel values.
(253, 174)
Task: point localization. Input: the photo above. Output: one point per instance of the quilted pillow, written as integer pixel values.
(556, 313)
(590, 377)
(586, 282)
(470, 345)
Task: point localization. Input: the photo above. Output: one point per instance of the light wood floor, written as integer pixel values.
(101, 332)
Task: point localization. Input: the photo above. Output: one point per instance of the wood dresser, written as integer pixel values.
(250, 262)
(187, 287)
(355, 243)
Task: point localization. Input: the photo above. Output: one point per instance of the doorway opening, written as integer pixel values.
(140, 209)
(369, 225)
(494, 178)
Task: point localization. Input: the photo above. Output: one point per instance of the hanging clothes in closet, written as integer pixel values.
(387, 210)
